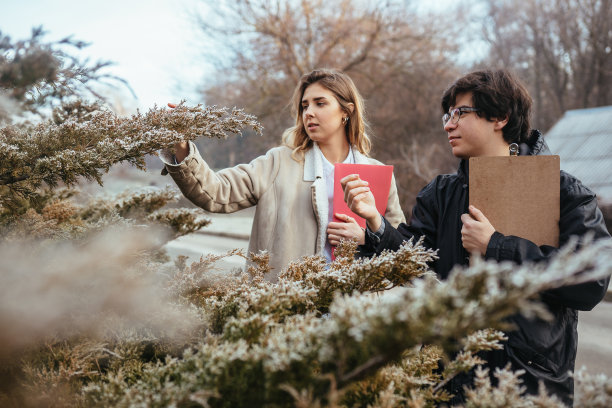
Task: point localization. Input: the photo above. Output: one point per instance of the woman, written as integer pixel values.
(291, 185)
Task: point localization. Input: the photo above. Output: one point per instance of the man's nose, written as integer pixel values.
(449, 125)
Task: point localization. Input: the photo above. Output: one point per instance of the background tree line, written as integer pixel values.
(402, 59)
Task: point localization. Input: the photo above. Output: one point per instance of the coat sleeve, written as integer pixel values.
(423, 223)
(226, 190)
(579, 216)
(394, 213)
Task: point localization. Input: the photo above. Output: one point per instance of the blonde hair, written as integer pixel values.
(345, 91)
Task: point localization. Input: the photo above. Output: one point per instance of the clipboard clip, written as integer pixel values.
(514, 149)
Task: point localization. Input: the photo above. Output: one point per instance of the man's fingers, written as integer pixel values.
(356, 194)
(348, 178)
(477, 214)
(362, 194)
(357, 183)
(352, 188)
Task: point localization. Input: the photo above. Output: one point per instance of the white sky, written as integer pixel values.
(154, 43)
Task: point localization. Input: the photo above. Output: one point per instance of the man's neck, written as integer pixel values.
(499, 147)
(502, 150)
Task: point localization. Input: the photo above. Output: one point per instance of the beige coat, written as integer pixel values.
(291, 199)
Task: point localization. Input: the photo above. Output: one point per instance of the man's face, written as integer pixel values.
(472, 135)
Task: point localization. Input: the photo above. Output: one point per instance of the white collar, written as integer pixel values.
(313, 165)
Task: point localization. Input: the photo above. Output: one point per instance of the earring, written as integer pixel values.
(345, 120)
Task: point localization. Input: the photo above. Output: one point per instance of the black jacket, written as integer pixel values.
(545, 350)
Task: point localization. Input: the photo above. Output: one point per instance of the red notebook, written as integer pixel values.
(379, 178)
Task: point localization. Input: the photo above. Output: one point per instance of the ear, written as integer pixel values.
(500, 123)
(351, 107)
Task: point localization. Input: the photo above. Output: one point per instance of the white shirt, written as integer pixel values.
(328, 172)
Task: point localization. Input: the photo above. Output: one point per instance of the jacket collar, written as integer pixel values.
(464, 171)
(313, 165)
(535, 145)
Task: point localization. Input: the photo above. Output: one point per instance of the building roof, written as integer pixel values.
(583, 140)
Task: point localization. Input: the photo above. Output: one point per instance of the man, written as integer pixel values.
(484, 112)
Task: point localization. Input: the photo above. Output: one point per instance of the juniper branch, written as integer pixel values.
(362, 333)
(51, 153)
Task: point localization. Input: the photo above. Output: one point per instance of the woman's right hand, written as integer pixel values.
(181, 151)
(360, 200)
(181, 148)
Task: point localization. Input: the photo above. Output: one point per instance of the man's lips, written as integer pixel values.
(451, 139)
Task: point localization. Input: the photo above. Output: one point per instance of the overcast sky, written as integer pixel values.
(154, 43)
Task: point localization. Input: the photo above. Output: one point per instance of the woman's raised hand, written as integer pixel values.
(181, 148)
(360, 199)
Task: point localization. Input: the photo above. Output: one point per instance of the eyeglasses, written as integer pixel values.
(456, 113)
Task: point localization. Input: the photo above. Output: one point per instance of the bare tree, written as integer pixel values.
(561, 48)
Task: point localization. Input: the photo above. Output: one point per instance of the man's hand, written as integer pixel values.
(476, 231)
(349, 229)
(360, 200)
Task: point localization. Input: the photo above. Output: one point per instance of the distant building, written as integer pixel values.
(583, 140)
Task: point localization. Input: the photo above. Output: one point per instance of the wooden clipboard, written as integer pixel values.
(520, 195)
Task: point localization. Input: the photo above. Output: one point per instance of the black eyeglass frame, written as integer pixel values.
(456, 113)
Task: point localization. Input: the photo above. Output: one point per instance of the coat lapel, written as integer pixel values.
(313, 171)
(359, 157)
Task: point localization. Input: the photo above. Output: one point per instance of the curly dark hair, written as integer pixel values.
(498, 94)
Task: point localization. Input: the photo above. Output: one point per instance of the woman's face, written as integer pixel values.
(322, 115)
